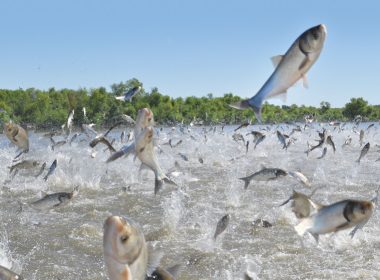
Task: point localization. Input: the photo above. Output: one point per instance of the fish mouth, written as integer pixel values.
(115, 221)
(323, 28)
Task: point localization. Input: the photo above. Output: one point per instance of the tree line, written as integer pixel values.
(50, 108)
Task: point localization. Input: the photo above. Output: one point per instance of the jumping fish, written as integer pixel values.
(52, 167)
(55, 199)
(335, 217)
(146, 154)
(127, 96)
(126, 253)
(221, 225)
(25, 164)
(6, 274)
(17, 135)
(363, 152)
(264, 174)
(290, 68)
(330, 142)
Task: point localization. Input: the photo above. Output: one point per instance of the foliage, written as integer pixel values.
(46, 109)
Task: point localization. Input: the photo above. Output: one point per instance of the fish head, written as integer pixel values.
(144, 118)
(9, 128)
(361, 210)
(123, 240)
(280, 172)
(312, 39)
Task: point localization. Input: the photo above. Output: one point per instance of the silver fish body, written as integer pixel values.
(265, 174)
(281, 138)
(17, 135)
(54, 200)
(363, 152)
(6, 274)
(125, 250)
(330, 142)
(145, 152)
(290, 68)
(335, 217)
(127, 96)
(25, 164)
(221, 225)
(52, 167)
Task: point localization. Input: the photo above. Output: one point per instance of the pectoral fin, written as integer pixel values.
(305, 81)
(304, 63)
(276, 60)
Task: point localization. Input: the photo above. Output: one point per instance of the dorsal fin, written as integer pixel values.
(276, 60)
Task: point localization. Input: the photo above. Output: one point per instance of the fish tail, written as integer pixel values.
(249, 103)
(115, 156)
(158, 185)
(246, 182)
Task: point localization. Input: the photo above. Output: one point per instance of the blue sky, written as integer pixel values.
(188, 48)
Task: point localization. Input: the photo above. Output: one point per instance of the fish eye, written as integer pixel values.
(315, 33)
(124, 238)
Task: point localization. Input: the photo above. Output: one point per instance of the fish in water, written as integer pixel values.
(6, 274)
(41, 170)
(125, 250)
(126, 253)
(265, 174)
(75, 136)
(127, 96)
(335, 217)
(17, 135)
(242, 125)
(347, 142)
(25, 164)
(54, 200)
(146, 154)
(290, 68)
(301, 205)
(221, 225)
(103, 140)
(57, 144)
(68, 125)
(259, 140)
(238, 137)
(363, 152)
(300, 177)
(330, 142)
(183, 156)
(281, 138)
(261, 223)
(128, 119)
(143, 120)
(52, 167)
(323, 153)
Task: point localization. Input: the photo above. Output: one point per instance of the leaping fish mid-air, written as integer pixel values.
(290, 68)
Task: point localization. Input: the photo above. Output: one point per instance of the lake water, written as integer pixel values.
(66, 243)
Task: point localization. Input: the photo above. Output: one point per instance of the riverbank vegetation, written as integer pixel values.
(50, 108)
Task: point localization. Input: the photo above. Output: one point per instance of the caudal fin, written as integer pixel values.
(246, 182)
(245, 104)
